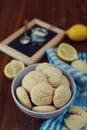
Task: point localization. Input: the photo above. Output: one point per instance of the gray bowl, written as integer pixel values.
(17, 82)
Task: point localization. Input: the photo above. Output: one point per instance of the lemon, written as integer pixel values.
(77, 32)
(13, 68)
(67, 52)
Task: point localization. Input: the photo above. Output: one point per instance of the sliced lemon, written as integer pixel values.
(77, 32)
(67, 52)
(13, 68)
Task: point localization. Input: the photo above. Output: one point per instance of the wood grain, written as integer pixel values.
(12, 16)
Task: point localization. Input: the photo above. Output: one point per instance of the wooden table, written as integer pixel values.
(12, 15)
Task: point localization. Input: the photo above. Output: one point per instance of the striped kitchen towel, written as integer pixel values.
(80, 79)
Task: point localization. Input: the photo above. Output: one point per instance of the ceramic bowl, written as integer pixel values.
(17, 82)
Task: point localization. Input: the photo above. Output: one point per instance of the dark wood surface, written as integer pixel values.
(12, 15)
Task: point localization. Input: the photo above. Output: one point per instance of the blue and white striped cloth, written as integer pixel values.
(57, 123)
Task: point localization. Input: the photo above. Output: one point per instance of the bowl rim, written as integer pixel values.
(42, 113)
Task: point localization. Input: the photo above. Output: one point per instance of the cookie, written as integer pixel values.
(79, 111)
(76, 110)
(42, 94)
(47, 108)
(65, 81)
(53, 75)
(38, 76)
(61, 96)
(28, 83)
(74, 122)
(32, 79)
(77, 118)
(80, 65)
(23, 97)
(42, 66)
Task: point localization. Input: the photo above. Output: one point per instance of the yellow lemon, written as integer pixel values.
(77, 32)
(12, 68)
(67, 52)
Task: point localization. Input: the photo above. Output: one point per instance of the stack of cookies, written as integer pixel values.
(44, 89)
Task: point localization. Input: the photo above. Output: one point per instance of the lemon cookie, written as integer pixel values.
(76, 110)
(42, 94)
(43, 65)
(28, 83)
(53, 75)
(79, 111)
(76, 119)
(61, 96)
(74, 122)
(65, 81)
(47, 108)
(80, 65)
(33, 78)
(23, 97)
(37, 75)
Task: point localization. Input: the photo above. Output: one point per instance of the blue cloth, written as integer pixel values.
(80, 79)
